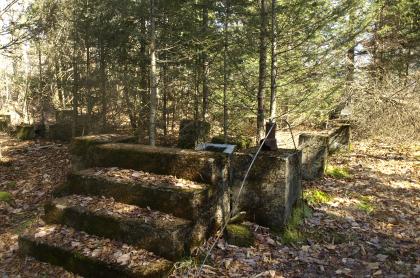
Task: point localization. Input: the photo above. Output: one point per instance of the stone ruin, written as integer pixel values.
(131, 210)
(316, 146)
(5, 121)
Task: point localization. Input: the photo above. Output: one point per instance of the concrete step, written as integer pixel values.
(199, 166)
(160, 233)
(90, 256)
(181, 198)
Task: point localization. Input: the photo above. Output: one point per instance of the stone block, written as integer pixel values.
(63, 131)
(314, 149)
(192, 133)
(25, 132)
(72, 250)
(137, 226)
(272, 187)
(199, 166)
(65, 115)
(239, 235)
(339, 138)
(82, 148)
(5, 121)
(241, 142)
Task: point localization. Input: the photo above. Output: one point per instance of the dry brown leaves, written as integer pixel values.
(342, 240)
(106, 250)
(35, 168)
(128, 175)
(108, 206)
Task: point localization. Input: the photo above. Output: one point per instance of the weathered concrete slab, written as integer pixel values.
(5, 121)
(25, 132)
(273, 185)
(192, 133)
(206, 205)
(142, 227)
(199, 166)
(63, 131)
(82, 148)
(339, 138)
(239, 235)
(240, 142)
(316, 146)
(314, 149)
(168, 194)
(90, 256)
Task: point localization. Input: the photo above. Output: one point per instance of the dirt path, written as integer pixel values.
(364, 224)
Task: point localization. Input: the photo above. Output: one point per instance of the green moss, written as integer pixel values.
(337, 172)
(23, 225)
(5, 197)
(292, 232)
(365, 204)
(25, 132)
(186, 264)
(239, 235)
(241, 142)
(315, 196)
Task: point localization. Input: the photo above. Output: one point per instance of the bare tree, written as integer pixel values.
(153, 76)
(262, 71)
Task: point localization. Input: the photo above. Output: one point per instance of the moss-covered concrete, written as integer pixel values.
(192, 133)
(87, 266)
(63, 131)
(181, 202)
(272, 187)
(5, 121)
(25, 132)
(239, 235)
(241, 142)
(169, 238)
(339, 138)
(200, 166)
(81, 148)
(4, 126)
(314, 154)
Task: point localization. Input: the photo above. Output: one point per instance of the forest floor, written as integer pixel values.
(364, 219)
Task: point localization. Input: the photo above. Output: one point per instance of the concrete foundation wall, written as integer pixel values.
(273, 185)
(316, 147)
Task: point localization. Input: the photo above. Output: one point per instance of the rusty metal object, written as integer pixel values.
(270, 143)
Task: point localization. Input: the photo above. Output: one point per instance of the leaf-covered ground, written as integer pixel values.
(364, 218)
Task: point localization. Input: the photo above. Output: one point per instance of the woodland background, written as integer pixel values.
(144, 65)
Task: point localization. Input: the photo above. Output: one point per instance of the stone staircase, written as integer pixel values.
(130, 210)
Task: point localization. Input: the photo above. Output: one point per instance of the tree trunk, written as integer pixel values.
(40, 87)
(153, 76)
(262, 72)
(88, 91)
(75, 102)
(225, 70)
(143, 116)
(165, 101)
(273, 96)
(205, 62)
(102, 61)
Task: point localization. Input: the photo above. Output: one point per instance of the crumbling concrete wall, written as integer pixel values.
(316, 146)
(272, 187)
(192, 133)
(314, 149)
(5, 122)
(339, 138)
(82, 148)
